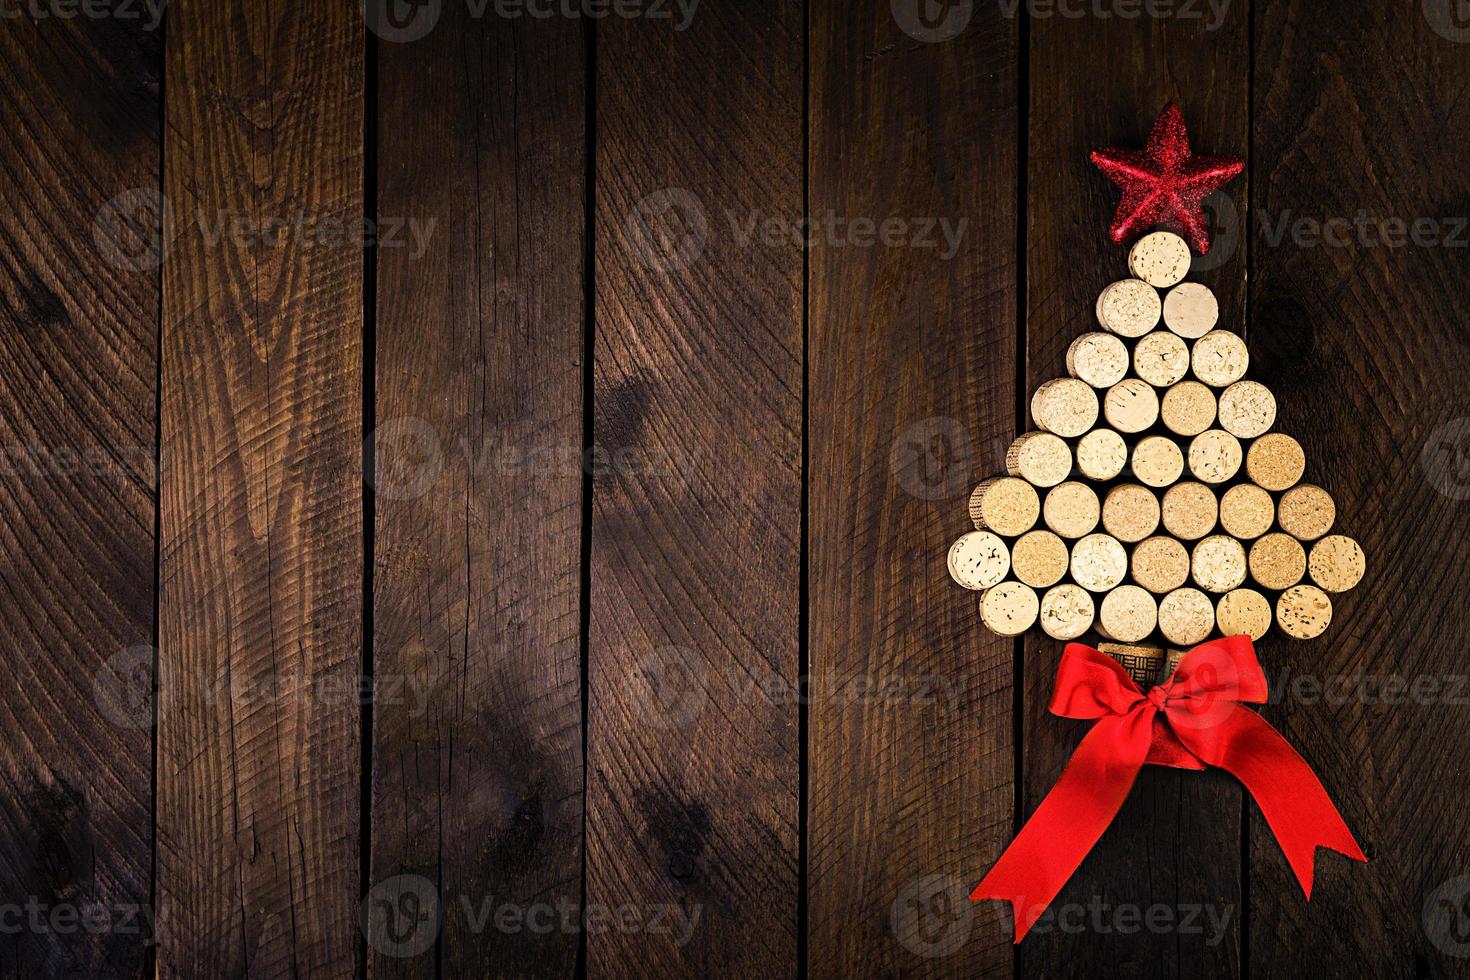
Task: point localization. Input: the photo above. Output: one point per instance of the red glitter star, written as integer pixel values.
(1164, 183)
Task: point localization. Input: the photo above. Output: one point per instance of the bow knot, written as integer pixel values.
(1196, 719)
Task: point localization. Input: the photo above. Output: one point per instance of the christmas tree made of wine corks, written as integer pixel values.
(1155, 504)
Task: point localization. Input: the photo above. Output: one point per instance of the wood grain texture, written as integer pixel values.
(912, 402)
(261, 509)
(694, 647)
(477, 742)
(1176, 842)
(1363, 112)
(78, 325)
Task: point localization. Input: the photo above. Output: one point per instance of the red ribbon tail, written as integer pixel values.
(1070, 820)
(1291, 797)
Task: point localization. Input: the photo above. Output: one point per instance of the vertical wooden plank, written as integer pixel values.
(912, 401)
(261, 510)
(78, 324)
(477, 741)
(694, 647)
(1176, 842)
(1357, 302)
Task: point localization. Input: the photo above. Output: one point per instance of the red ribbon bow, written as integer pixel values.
(1193, 721)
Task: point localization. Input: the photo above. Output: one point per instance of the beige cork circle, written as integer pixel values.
(1306, 512)
(1067, 611)
(1277, 561)
(1157, 461)
(1247, 409)
(1186, 616)
(1005, 505)
(1191, 310)
(1160, 259)
(1336, 563)
(1159, 564)
(1303, 612)
(1127, 614)
(1218, 563)
(1101, 454)
(1188, 408)
(1214, 456)
(1129, 308)
(1039, 558)
(1130, 512)
(1243, 611)
(1071, 509)
(1009, 609)
(1247, 511)
(1065, 406)
(1275, 461)
(1042, 459)
(978, 560)
(1161, 359)
(1098, 358)
(1099, 562)
(1131, 405)
(1219, 358)
(1189, 510)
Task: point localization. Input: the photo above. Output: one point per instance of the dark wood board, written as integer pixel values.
(79, 149)
(693, 741)
(1176, 843)
(477, 733)
(1361, 111)
(912, 402)
(260, 607)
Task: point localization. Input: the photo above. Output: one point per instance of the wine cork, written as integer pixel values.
(1039, 559)
(1304, 612)
(1247, 511)
(1071, 509)
(1337, 563)
(1277, 561)
(1161, 359)
(1066, 612)
(1219, 358)
(1141, 663)
(1191, 310)
(1160, 259)
(1131, 405)
(1005, 505)
(1306, 512)
(1098, 358)
(1189, 510)
(1247, 409)
(1218, 563)
(1172, 659)
(1098, 562)
(1101, 454)
(1159, 564)
(1065, 406)
(1157, 461)
(1009, 609)
(1186, 616)
(1129, 308)
(1127, 614)
(1130, 512)
(1188, 408)
(979, 560)
(1275, 461)
(1243, 611)
(1214, 456)
(1040, 458)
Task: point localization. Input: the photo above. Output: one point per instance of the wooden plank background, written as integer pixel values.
(475, 484)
